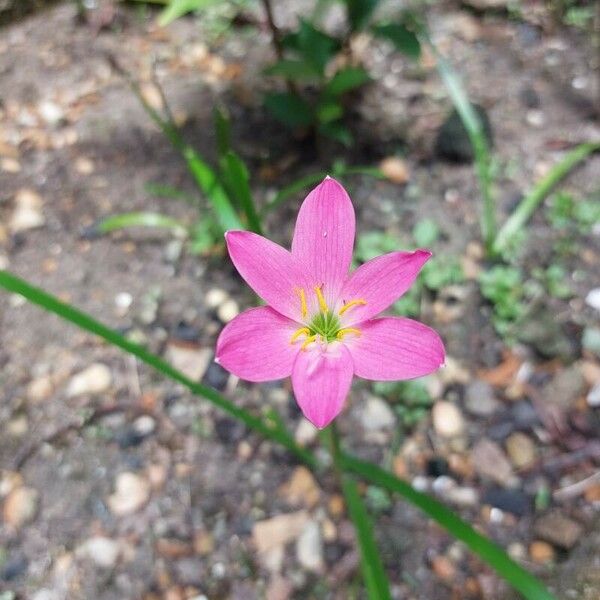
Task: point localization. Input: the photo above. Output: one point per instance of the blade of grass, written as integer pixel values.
(532, 200)
(84, 321)
(139, 219)
(238, 180)
(222, 130)
(477, 137)
(162, 190)
(205, 178)
(488, 551)
(376, 580)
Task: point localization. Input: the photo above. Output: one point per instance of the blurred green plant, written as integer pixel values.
(226, 185)
(318, 69)
(410, 400)
(439, 271)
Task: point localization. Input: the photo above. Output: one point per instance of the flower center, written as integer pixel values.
(325, 326)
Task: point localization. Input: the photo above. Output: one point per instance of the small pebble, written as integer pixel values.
(96, 379)
(131, 493)
(447, 419)
(21, 506)
(103, 551)
(541, 552)
(228, 311)
(215, 297)
(309, 547)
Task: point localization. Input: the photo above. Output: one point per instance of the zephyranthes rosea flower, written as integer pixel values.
(319, 325)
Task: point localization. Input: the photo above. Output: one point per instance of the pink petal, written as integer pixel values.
(324, 236)
(321, 381)
(380, 282)
(256, 345)
(393, 348)
(270, 270)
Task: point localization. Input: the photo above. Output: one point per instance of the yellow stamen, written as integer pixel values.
(342, 332)
(350, 304)
(299, 332)
(307, 341)
(322, 304)
(303, 307)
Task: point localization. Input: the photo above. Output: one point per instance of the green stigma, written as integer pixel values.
(326, 325)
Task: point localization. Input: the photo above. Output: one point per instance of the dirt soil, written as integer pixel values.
(118, 484)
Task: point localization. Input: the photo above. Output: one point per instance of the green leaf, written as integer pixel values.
(488, 551)
(222, 129)
(345, 80)
(336, 130)
(531, 201)
(329, 111)
(359, 12)
(50, 303)
(376, 580)
(238, 180)
(317, 48)
(425, 232)
(139, 219)
(161, 190)
(178, 8)
(290, 109)
(293, 69)
(404, 40)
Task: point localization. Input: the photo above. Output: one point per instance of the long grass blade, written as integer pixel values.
(238, 181)
(50, 303)
(477, 137)
(533, 199)
(376, 580)
(492, 554)
(139, 219)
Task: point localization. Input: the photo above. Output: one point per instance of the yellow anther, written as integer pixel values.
(351, 304)
(342, 332)
(299, 332)
(307, 341)
(303, 307)
(322, 304)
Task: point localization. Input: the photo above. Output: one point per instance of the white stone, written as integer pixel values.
(593, 397)
(103, 551)
(593, 298)
(376, 414)
(447, 419)
(50, 112)
(131, 493)
(309, 547)
(215, 297)
(96, 379)
(305, 433)
(228, 311)
(27, 213)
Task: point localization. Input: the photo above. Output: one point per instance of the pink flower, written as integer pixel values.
(319, 325)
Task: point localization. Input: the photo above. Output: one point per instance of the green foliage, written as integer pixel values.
(377, 499)
(425, 232)
(178, 8)
(565, 211)
(503, 287)
(290, 109)
(410, 399)
(359, 12)
(403, 39)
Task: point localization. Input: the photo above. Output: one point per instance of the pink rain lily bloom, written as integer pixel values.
(320, 325)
